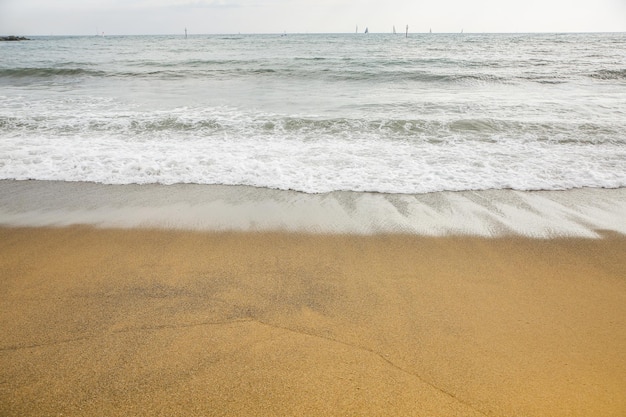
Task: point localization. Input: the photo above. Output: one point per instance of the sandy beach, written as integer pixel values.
(162, 321)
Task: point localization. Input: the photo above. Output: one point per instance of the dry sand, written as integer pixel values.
(145, 322)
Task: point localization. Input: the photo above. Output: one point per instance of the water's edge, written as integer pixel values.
(541, 214)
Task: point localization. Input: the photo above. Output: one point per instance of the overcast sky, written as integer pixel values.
(85, 17)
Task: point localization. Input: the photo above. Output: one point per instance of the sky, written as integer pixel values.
(143, 17)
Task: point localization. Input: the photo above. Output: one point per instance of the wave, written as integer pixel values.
(49, 72)
(226, 69)
(606, 74)
(316, 166)
(314, 68)
(215, 123)
(227, 145)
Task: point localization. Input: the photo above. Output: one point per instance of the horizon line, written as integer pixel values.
(104, 34)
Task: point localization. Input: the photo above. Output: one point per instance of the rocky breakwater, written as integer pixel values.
(13, 38)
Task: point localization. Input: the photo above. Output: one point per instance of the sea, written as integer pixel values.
(317, 113)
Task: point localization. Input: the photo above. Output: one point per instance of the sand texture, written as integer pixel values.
(165, 323)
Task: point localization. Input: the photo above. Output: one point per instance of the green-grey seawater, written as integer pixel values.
(318, 113)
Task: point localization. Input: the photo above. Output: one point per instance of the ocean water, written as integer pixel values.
(318, 113)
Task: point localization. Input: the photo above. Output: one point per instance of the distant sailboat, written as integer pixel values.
(367, 30)
(185, 33)
(407, 31)
(394, 29)
(430, 31)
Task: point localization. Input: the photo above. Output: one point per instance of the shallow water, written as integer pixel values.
(543, 214)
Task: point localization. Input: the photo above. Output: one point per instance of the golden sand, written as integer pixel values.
(139, 322)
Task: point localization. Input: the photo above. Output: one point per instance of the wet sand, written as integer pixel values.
(494, 213)
(163, 322)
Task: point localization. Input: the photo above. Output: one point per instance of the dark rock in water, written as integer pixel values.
(13, 38)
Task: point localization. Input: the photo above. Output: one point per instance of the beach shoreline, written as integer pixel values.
(217, 300)
(490, 213)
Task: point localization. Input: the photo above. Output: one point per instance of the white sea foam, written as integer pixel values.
(322, 164)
